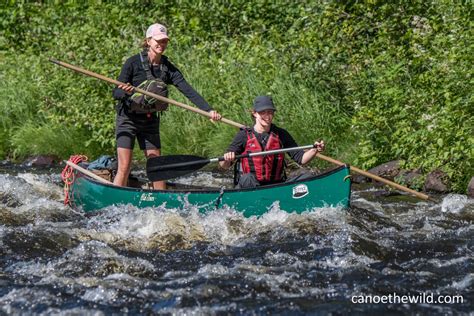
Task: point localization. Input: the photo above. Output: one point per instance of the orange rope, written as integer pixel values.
(67, 175)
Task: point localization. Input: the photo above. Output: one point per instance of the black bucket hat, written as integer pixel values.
(262, 103)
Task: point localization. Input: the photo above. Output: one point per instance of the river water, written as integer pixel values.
(379, 256)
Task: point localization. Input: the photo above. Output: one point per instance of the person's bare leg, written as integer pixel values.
(149, 153)
(124, 156)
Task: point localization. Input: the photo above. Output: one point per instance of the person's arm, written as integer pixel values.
(288, 141)
(300, 156)
(235, 148)
(185, 88)
(310, 154)
(126, 75)
(229, 158)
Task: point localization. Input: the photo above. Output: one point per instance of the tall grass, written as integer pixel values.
(376, 80)
(34, 139)
(230, 86)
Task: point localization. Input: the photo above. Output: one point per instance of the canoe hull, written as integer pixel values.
(329, 189)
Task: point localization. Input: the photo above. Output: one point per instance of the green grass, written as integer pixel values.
(376, 80)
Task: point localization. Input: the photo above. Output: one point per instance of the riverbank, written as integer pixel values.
(435, 182)
(377, 81)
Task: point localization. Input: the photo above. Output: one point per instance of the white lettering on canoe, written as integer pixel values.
(147, 197)
(300, 191)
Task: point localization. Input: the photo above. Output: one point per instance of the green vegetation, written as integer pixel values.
(378, 80)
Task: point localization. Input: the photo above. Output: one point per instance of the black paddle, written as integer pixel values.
(167, 167)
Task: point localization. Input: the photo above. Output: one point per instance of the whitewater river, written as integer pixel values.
(379, 256)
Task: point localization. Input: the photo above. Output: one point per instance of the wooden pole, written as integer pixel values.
(87, 172)
(229, 122)
(150, 94)
(375, 177)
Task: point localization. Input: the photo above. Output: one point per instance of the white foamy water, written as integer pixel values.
(54, 260)
(454, 203)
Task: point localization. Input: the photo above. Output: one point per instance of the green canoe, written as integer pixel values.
(332, 188)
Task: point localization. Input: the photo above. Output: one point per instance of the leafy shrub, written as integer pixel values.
(378, 80)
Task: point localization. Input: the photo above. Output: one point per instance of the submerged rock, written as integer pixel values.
(44, 161)
(5, 162)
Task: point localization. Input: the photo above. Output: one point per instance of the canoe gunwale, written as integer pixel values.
(217, 189)
(332, 188)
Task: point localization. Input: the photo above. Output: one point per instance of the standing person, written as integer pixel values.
(138, 115)
(263, 170)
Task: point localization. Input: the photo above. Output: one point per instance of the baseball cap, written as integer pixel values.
(262, 103)
(157, 32)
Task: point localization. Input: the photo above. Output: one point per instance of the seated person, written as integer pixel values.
(263, 170)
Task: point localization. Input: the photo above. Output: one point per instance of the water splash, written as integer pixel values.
(454, 203)
(166, 260)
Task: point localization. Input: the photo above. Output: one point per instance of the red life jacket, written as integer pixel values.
(268, 168)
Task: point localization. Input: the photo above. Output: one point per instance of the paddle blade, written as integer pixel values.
(168, 167)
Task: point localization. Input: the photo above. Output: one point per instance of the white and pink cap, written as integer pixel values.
(157, 32)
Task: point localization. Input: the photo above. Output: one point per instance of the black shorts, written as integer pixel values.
(145, 129)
